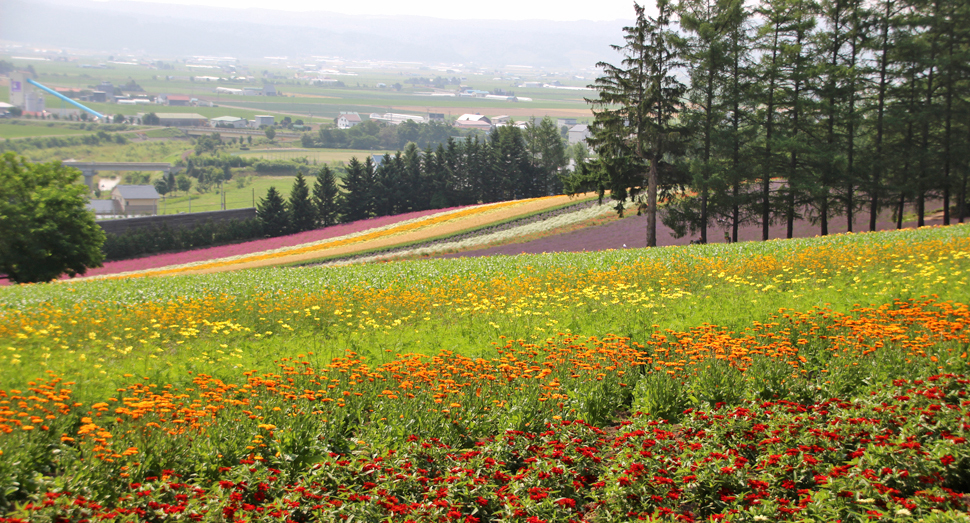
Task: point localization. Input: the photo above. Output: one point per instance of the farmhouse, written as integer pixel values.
(135, 199)
(347, 120)
(180, 100)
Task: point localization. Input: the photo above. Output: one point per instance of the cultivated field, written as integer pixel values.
(817, 379)
(320, 156)
(9, 130)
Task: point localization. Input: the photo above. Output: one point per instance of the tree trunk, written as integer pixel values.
(878, 163)
(652, 202)
(925, 147)
(899, 211)
(948, 128)
(705, 174)
(766, 181)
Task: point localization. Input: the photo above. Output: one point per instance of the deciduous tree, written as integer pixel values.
(45, 229)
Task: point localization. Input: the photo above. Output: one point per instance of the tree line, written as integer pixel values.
(509, 163)
(786, 110)
(374, 135)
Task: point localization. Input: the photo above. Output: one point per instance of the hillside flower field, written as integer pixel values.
(333, 241)
(821, 379)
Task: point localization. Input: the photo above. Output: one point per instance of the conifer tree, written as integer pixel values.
(325, 193)
(272, 214)
(302, 215)
(634, 113)
(356, 202)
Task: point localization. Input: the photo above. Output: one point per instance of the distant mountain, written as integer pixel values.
(180, 30)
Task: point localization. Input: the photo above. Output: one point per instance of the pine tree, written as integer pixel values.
(707, 51)
(325, 193)
(356, 201)
(634, 113)
(272, 214)
(301, 209)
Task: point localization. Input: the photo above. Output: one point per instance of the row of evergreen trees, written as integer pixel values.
(794, 109)
(510, 163)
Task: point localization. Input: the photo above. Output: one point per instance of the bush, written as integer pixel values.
(164, 238)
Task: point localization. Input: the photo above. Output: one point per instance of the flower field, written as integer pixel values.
(810, 380)
(338, 240)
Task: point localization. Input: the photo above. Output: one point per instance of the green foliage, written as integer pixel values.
(210, 143)
(303, 215)
(660, 396)
(161, 186)
(151, 119)
(92, 140)
(356, 202)
(270, 133)
(272, 214)
(372, 135)
(45, 229)
(325, 194)
(634, 115)
(184, 183)
(163, 238)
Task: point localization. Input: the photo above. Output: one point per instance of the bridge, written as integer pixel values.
(89, 169)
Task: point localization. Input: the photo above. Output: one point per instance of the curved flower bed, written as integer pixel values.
(549, 224)
(240, 249)
(400, 232)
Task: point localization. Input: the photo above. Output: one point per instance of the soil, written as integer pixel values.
(630, 233)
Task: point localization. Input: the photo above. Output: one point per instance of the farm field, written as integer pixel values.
(314, 104)
(323, 156)
(241, 192)
(8, 130)
(817, 379)
(154, 151)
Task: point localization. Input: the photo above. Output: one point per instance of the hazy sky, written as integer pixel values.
(560, 10)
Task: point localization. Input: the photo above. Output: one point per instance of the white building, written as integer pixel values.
(578, 133)
(396, 119)
(229, 121)
(474, 121)
(263, 119)
(347, 120)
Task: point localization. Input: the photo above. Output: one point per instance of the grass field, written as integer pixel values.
(321, 156)
(816, 379)
(157, 151)
(254, 188)
(167, 132)
(8, 130)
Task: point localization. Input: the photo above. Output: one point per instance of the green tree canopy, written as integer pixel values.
(635, 111)
(272, 214)
(45, 229)
(302, 212)
(325, 193)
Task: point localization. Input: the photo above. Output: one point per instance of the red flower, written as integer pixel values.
(947, 460)
(566, 502)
